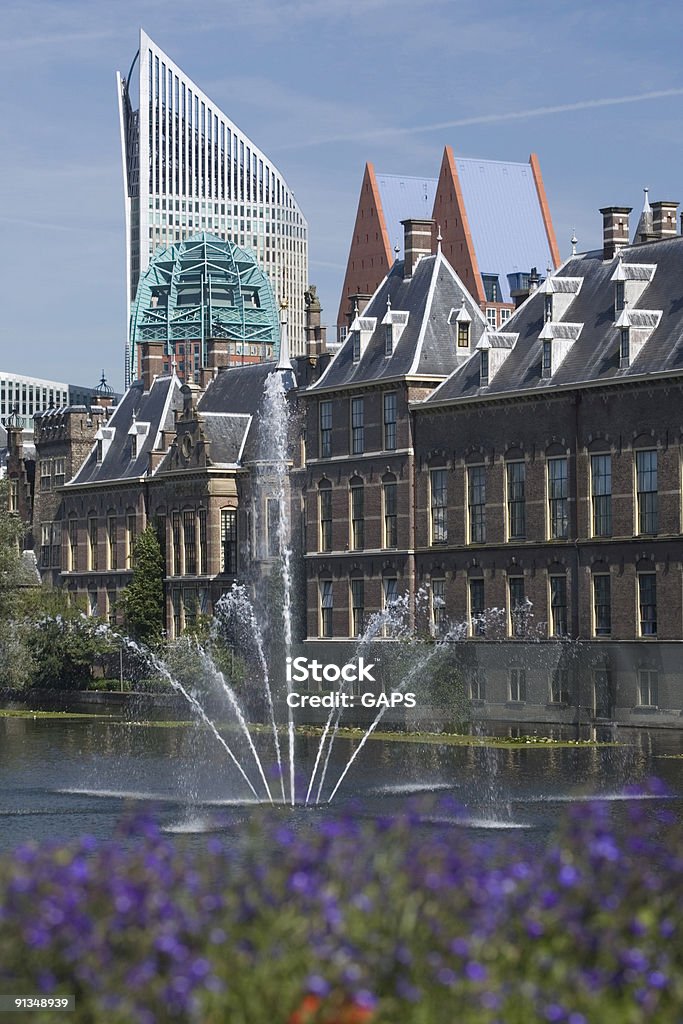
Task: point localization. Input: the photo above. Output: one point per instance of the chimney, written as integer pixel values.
(417, 242)
(664, 219)
(316, 341)
(614, 229)
(217, 353)
(152, 362)
(357, 304)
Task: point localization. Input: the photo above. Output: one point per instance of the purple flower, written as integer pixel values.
(475, 971)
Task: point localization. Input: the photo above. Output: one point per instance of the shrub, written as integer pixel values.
(346, 920)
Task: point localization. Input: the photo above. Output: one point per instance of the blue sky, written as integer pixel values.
(321, 86)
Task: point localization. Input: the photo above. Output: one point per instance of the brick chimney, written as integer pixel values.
(217, 353)
(614, 229)
(151, 361)
(664, 219)
(417, 242)
(359, 300)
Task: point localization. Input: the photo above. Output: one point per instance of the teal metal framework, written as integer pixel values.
(204, 287)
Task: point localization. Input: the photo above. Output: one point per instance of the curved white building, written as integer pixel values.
(188, 168)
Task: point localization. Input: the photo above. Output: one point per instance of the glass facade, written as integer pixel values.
(188, 168)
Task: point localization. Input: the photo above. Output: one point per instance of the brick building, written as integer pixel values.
(542, 478)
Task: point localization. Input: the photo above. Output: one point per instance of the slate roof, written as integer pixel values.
(427, 345)
(503, 212)
(594, 356)
(154, 407)
(227, 434)
(230, 408)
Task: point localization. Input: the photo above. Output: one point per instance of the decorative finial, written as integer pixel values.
(397, 249)
(355, 308)
(573, 240)
(646, 201)
(388, 302)
(283, 362)
(174, 364)
(439, 239)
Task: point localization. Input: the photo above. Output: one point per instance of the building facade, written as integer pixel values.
(494, 221)
(188, 168)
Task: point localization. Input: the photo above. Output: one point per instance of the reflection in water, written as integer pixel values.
(63, 778)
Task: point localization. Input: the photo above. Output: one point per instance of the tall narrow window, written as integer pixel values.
(73, 544)
(484, 367)
(46, 545)
(201, 517)
(618, 298)
(92, 544)
(357, 606)
(517, 606)
(390, 420)
(357, 427)
(229, 541)
(602, 605)
(517, 684)
(112, 543)
(558, 606)
(326, 608)
(325, 516)
(439, 506)
(624, 347)
(601, 495)
(463, 334)
(388, 339)
(389, 495)
(45, 474)
(547, 365)
(646, 487)
(177, 544)
(476, 599)
(357, 515)
(190, 542)
(355, 346)
(131, 531)
(647, 603)
(559, 686)
(516, 500)
(557, 498)
(325, 429)
(59, 471)
(648, 687)
(273, 527)
(389, 593)
(476, 503)
(438, 607)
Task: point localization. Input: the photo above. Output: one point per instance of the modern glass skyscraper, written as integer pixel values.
(188, 168)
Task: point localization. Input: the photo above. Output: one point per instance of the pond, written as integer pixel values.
(63, 776)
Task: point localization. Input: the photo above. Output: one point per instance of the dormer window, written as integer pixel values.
(483, 367)
(618, 297)
(388, 339)
(462, 321)
(624, 347)
(548, 306)
(356, 346)
(547, 366)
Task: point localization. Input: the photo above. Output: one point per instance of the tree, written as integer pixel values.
(14, 662)
(143, 601)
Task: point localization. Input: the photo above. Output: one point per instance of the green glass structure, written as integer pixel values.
(205, 287)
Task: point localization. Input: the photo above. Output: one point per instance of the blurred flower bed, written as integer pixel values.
(353, 922)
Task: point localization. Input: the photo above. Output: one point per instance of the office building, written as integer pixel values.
(188, 168)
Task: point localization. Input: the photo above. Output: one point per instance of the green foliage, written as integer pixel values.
(63, 642)
(143, 601)
(14, 665)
